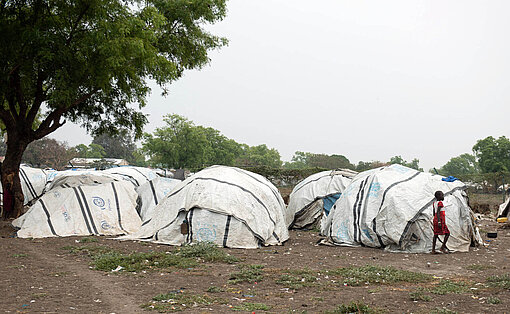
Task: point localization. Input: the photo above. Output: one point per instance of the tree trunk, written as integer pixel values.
(11, 184)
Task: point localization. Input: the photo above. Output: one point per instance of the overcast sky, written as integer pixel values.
(365, 79)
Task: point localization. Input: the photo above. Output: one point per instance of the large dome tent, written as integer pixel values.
(136, 175)
(391, 207)
(228, 206)
(99, 209)
(152, 193)
(314, 196)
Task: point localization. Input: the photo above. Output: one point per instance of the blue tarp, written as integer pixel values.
(329, 201)
(449, 179)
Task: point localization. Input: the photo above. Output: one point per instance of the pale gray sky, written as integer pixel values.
(365, 79)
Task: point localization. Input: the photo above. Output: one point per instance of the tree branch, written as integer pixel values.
(52, 121)
(38, 99)
(73, 27)
(14, 92)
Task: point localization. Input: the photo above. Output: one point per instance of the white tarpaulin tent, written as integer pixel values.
(137, 175)
(72, 178)
(228, 206)
(504, 209)
(152, 193)
(100, 209)
(313, 196)
(391, 207)
(33, 181)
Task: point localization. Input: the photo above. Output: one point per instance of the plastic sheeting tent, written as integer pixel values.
(391, 207)
(314, 196)
(152, 193)
(504, 209)
(137, 175)
(228, 206)
(100, 209)
(33, 182)
(71, 178)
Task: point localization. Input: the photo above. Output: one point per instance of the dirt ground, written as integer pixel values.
(40, 276)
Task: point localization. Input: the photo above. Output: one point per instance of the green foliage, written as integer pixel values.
(479, 267)
(286, 175)
(247, 273)
(500, 281)
(179, 144)
(367, 165)
(182, 144)
(355, 276)
(297, 279)
(354, 307)
(439, 310)
(259, 155)
(302, 160)
(446, 286)
(177, 301)
(119, 146)
(493, 300)
(18, 255)
(414, 164)
(248, 306)
(493, 154)
(461, 165)
(206, 251)
(87, 240)
(419, 295)
(214, 289)
(91, 151)
(106, 259)
(88, 60)
(136, 262)
(47, 153)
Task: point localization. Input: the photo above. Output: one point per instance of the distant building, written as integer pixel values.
(90, 162)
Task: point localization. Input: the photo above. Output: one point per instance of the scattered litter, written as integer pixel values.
(119, 268)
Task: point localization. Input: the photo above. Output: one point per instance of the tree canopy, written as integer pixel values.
(89, 62)
(414, 164)
(493, 154)
(302, 160)
(182, 144)
(47, 153)
(461, 165)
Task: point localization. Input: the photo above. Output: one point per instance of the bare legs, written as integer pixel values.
(443, 248)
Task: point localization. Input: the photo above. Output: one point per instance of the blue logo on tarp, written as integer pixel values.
(99, 202)
(105, 225)
(206, 235)
(375, 189)
(342, 233)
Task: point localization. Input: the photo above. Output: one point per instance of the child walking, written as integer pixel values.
(439, 223)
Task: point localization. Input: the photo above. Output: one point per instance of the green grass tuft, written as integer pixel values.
(18, 255)
(354, 307)
(493, 300)
(214, 289)
(446, 286)
(479, 267)
(297, 279)
(439, 310)
(136, 262)
(208, 252)
(419, 296)
(247, 273)
(88, 240)
(106, 259)
(247, 306)
(500, 281)
(176, 301)
(355, 276)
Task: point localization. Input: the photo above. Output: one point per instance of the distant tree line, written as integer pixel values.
(182, 144)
